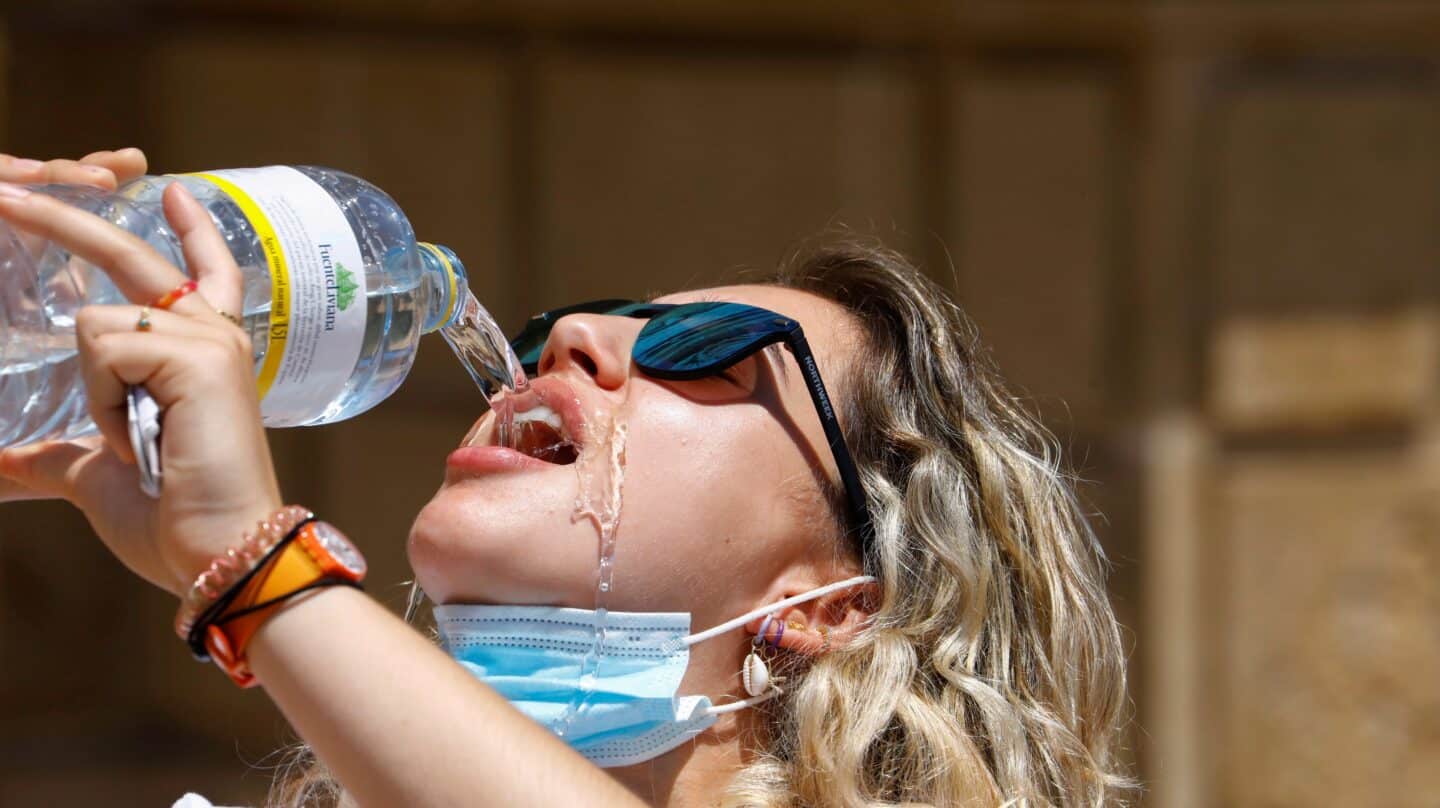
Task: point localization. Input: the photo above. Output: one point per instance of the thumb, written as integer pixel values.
(55, 469)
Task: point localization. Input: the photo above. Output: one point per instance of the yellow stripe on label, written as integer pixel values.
(279, 331)
(449, 274)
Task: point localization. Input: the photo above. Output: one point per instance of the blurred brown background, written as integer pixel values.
(1201, 235)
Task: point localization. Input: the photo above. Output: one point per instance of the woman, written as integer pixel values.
(942, 635)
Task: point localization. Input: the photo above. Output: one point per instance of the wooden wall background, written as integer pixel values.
(1202, 235)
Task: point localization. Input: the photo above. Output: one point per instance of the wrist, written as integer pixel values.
(200, 540)
(288, 555)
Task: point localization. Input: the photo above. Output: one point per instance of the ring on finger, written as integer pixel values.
(143, 324)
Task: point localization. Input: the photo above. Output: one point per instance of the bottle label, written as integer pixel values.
(317, 289)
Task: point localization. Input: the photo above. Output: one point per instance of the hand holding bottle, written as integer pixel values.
(101, 169)
(198, 366)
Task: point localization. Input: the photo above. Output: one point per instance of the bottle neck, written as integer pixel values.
(445, 285)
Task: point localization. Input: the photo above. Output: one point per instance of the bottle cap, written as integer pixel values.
(144, 420)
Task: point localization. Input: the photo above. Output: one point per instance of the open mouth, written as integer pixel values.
(540, 433)
(548, 424)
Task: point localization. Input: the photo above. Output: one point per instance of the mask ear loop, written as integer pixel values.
(756, 674)
(731, 625)
(737, 706)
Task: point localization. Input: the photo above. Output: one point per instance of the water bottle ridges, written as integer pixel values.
(358, 293)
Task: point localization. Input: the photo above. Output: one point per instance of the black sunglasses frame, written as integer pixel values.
(784, 330)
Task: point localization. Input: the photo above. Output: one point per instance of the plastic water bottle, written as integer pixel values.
(337, 295)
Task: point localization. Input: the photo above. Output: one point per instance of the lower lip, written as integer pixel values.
(472, 460)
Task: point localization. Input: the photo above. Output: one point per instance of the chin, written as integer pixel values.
(465, 548)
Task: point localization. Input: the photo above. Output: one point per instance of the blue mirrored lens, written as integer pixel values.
(704, 337)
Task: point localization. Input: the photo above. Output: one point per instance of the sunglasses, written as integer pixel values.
(695, 340)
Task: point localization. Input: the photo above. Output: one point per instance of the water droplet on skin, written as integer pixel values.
(600, 474)
(600, 471)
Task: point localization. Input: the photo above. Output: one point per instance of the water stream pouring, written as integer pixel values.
(487, 356)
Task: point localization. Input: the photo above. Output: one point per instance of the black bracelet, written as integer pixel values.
(196, 638)
(317, 584)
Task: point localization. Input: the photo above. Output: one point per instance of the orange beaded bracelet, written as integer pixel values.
(229, 567)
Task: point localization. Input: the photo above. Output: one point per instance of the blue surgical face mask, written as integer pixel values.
(625, 710)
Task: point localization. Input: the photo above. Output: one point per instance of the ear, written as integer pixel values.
(820, 626)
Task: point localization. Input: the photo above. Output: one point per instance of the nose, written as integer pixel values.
(598, 345)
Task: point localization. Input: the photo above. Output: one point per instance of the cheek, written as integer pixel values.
(706, 512)
(704, 502)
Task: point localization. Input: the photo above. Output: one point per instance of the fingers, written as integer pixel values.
(164, 366)
(102, 169)
(20, 169)
(138, 270)
(125, 164)
(140, 273)
(117, 355)
(221, 285)
(67, 172)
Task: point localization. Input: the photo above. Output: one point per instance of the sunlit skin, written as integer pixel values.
(722, 510)
(722, 514)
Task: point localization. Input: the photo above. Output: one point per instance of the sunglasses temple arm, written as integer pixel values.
(844, 462)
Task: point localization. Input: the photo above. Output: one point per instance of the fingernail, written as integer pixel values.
(128, 150)
(13, 191)
(26, 164)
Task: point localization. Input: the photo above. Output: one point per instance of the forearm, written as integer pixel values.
(399, 723)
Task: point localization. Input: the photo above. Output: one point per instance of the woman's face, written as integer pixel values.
(721, 490)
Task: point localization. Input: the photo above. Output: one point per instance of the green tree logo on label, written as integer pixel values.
(344, 287)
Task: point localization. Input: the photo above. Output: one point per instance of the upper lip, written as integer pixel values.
(546, 391)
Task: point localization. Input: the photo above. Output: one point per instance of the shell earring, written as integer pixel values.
(756, 674)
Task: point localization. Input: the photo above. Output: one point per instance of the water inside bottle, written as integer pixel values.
(486, 355)
(38, 375)
(22, 352)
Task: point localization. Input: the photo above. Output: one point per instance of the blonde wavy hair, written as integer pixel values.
(993, 672)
